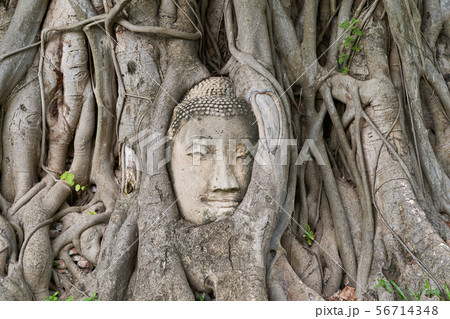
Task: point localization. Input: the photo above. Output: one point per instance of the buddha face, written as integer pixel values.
(209, 169)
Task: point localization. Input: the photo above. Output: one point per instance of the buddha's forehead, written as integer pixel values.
(213, 127)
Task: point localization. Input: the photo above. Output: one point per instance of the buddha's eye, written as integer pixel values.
(199, 151)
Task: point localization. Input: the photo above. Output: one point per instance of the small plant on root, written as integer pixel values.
(54, 297)
(70, 179)
(309, 235)
(353, 32)
(393, 288)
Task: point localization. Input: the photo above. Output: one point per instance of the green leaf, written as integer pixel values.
(82, 188)
(358, 32)
(345, 24)
(77, 187)
(380, 283)
(70, 179)
(438, 293)
(348, 41)
(344, 70)
(447, 291)
(70, 298)
(93, 213)
(389, 288)
(399, 291)
(52, 297)
(419, 294)
(385, 285)
(354, 21)
(356, 48)
(417, 297)
(309, 235)
(342, 58)
(55, 264)
(200, 297)
(93, 298)
(63, 176)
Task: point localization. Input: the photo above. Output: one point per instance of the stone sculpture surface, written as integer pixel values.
(211, 133)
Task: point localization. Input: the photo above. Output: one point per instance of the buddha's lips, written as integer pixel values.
(224, 198)
(222, 204)
(227, 201)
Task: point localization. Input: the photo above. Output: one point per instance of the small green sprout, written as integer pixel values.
(429, 292)
(70, 179)
(351, 28)
(309, 235)
(53, 297)
(416, 296)
(342, 58)
(385, 285)
(344, 70)
(398, 290)
(201, 297)
(447, 291)
(395, 290)
(93, 298)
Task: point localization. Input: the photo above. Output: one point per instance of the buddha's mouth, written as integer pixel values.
(222, 203)
(231, 200)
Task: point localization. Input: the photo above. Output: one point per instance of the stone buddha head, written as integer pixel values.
(211, 135)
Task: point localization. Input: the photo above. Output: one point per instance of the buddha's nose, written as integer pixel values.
(223, 178)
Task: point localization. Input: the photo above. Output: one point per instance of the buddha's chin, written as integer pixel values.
(220, 209)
